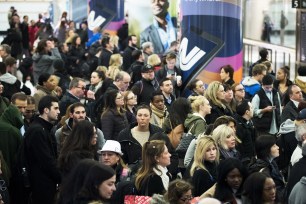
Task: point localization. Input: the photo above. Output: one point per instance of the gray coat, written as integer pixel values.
(297, 194)
(43, 63)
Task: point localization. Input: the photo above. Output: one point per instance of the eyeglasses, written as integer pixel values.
(187, 198)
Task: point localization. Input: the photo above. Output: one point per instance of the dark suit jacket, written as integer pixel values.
(289, 112)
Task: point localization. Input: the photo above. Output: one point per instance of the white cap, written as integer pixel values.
(111, 146)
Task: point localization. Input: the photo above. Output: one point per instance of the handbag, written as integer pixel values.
(184, 143)
(136, 199)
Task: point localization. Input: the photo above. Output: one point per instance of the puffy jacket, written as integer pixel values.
(112, 123)
(131, 148)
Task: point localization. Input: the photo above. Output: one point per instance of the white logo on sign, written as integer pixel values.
(187, 61)
(92, 22)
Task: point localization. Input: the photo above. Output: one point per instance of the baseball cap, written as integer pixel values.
(146, 68)
(301, 115)
(111, 146)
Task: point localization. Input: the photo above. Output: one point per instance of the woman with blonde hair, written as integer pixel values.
(154, 61)
(215, 94)
(115, 64)
(195, 122)
(115, 40)
(153, 177)
(204, 168)
(226, 140)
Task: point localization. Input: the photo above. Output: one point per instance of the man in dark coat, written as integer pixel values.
(297, 172)
(24, 28)
(107, 51)
(146, 86)
(290, 111)
(41, 154)
(127, 53)
(77, 90)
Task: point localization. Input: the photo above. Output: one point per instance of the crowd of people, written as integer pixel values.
(92, 121)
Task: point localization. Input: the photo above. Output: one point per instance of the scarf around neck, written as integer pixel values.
(162, 172)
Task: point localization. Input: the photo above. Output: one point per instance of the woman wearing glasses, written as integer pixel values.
(113, 118)
(130, 101)
(179, 192)
(239, 93)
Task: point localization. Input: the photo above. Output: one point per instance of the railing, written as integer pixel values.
(278, 55)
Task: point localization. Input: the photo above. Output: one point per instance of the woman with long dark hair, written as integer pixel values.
(98, 186)
(259, 188)
(72, 185)
(113, 118)
(80, 144)
(231, 176)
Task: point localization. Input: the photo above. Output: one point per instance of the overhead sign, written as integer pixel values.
(299, 4)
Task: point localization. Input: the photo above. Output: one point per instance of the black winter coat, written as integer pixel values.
(131, 148)
(270, 168)
(297, 172)
(112, 123)
(41, 154)
(247, 134)
(153, 185)
(216, 112)
(66, 101)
